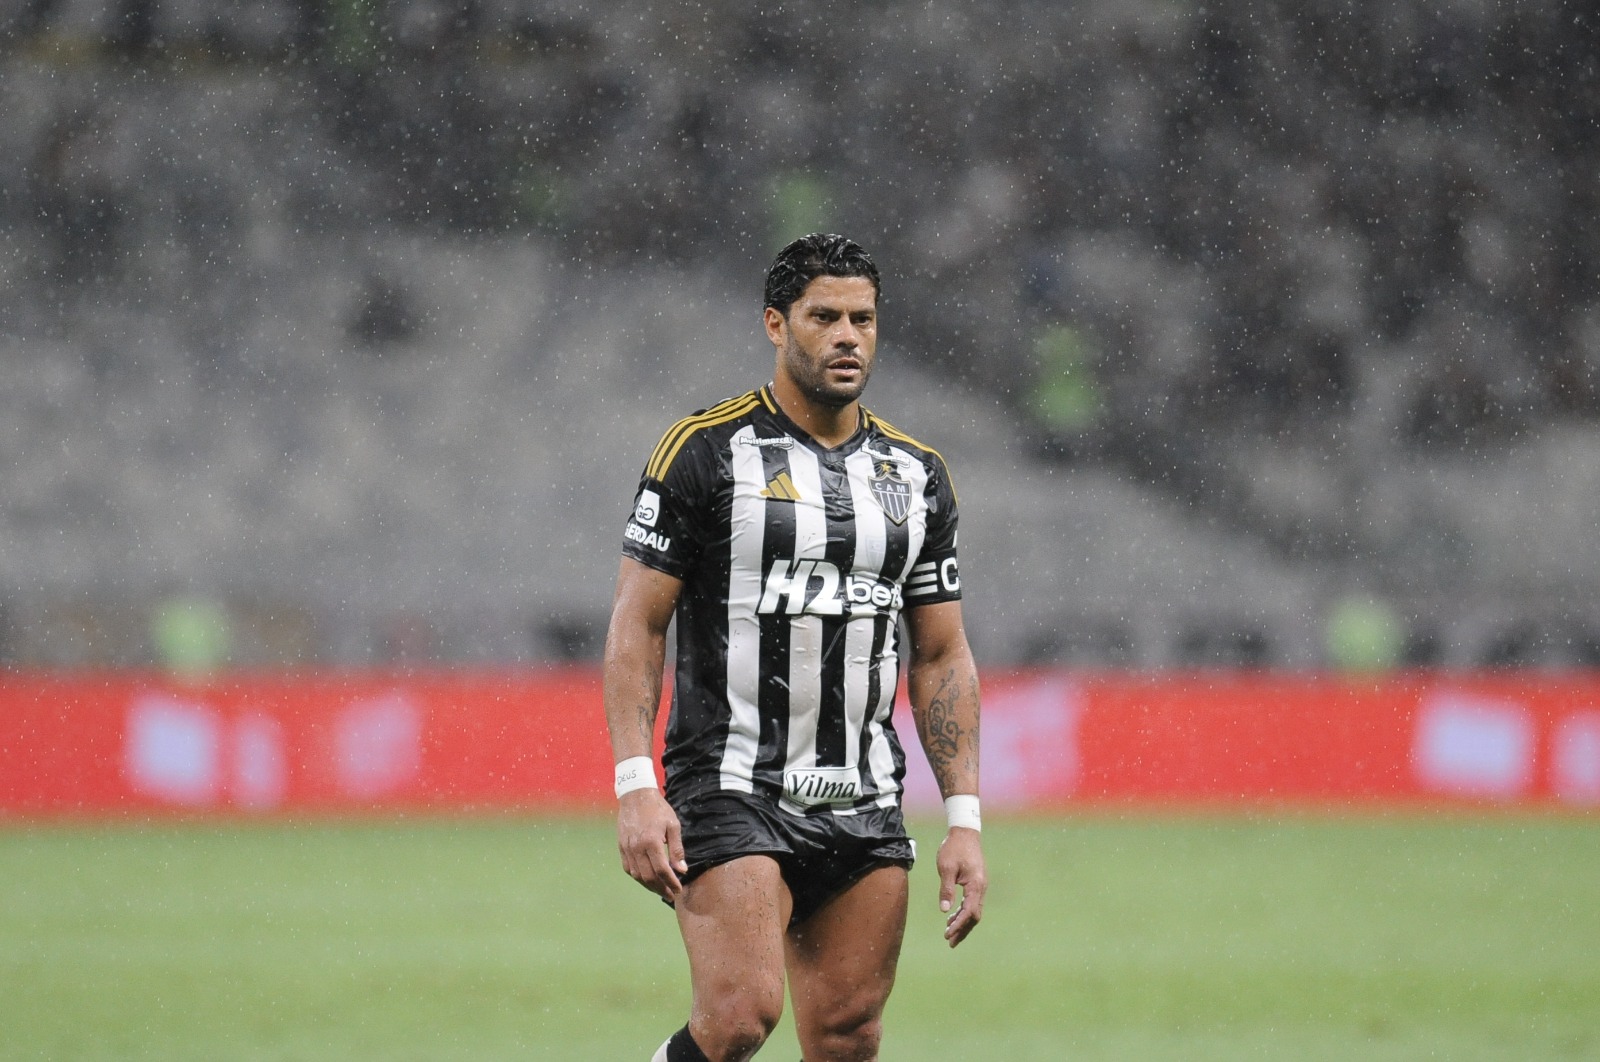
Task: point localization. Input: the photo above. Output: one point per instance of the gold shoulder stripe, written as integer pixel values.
(687, 424)
(672, 442)
(895, 433)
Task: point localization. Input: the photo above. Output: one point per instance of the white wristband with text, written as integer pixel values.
(962, 810)
(636, 772)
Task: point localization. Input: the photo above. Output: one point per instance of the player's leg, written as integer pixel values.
(732, 918)
(841, 963)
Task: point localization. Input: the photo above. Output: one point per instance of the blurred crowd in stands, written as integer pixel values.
(1278, 263)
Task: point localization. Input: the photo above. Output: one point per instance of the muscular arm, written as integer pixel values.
(636, 645)
(943, 682)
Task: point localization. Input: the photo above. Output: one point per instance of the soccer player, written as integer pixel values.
(789, 530)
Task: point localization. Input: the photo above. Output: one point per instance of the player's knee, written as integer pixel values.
(855, 1045)
(736, 1025)
(850, 1032)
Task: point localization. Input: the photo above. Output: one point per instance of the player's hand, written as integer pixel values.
(651, 842)
(961, 866)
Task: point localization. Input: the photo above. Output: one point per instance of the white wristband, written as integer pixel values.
(636, 772)
(962, 810)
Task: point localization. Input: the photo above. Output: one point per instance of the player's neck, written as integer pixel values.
(828, 425)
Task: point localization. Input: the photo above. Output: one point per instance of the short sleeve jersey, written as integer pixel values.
(796, 562)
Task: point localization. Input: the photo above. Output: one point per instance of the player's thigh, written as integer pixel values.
(732, 918)
(842, 959)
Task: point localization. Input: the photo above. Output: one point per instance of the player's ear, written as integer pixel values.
(776, 324)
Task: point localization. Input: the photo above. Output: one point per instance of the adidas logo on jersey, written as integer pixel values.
(781, 489)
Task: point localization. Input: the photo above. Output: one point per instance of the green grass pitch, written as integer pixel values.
(1107, 936)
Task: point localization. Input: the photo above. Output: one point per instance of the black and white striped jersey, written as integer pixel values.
(796, 561)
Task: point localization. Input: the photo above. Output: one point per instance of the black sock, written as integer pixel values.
(682, 1048)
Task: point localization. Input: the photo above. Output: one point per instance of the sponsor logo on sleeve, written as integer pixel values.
(645, 537)
(648, 511)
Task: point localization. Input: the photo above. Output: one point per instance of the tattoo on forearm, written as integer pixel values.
(952, 747)
(940, 732)
(645, 720)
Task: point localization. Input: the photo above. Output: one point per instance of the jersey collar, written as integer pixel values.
(849, 446)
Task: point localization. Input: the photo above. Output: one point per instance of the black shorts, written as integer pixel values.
(820, 855)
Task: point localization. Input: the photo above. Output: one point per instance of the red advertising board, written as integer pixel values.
(1221, 737)
(328, 742)
(322, 741)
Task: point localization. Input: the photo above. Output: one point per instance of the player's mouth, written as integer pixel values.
(849, 366)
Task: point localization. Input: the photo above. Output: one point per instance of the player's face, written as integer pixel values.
(827, 343)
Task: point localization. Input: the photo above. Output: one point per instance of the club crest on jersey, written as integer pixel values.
(891, 490)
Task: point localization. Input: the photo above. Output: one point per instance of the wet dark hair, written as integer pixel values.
(813, 256)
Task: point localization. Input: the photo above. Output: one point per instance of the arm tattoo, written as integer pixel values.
(645, 719)
(944, 737)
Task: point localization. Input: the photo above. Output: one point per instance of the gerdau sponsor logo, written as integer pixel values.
(652, 539)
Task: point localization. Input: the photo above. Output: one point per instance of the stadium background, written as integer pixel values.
(357, 318)
(1263, 339)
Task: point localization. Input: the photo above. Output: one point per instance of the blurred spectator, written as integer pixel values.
(79, 193)
(1065, 400)
(191, 636)
(1363, 633)
(385, 314)
(801, 202)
